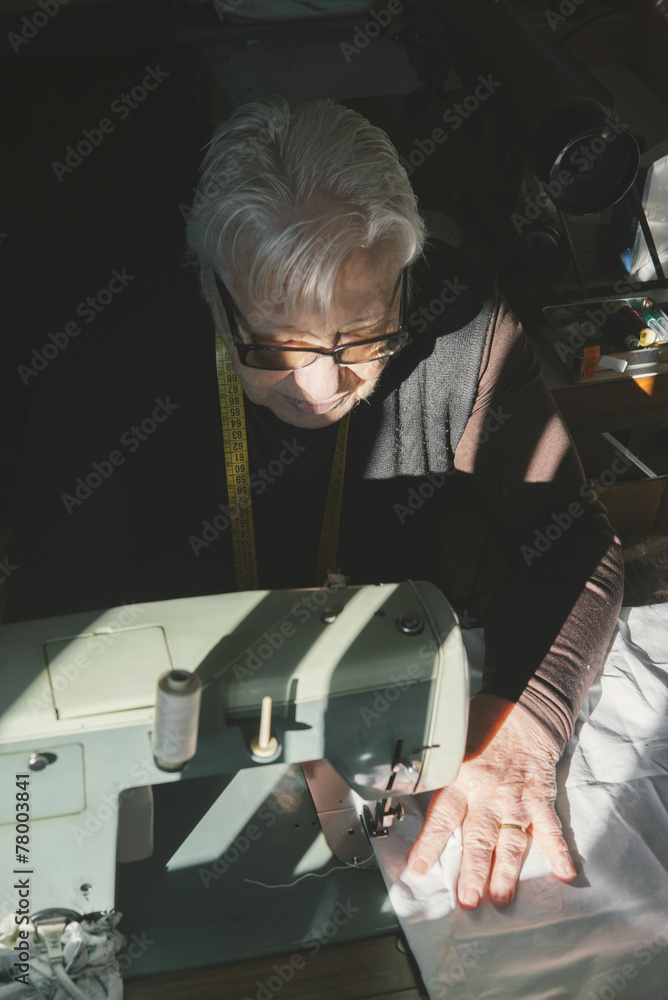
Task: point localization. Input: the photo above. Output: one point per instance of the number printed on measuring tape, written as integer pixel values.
(237, 470)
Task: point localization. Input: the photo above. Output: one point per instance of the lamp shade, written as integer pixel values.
(587, 160)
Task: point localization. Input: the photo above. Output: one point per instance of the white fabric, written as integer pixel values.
(606, 933)
(89, 956)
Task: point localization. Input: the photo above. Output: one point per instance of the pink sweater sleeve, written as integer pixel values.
(549, 625)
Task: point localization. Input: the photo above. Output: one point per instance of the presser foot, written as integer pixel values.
(337, 806)
(378, 822)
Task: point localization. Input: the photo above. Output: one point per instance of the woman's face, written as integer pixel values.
(366, 303)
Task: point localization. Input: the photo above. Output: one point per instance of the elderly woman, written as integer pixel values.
(359, 397)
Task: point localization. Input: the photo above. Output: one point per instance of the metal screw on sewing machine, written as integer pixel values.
(38, 761)
(85, 888)
(410, 624)
(328, 616)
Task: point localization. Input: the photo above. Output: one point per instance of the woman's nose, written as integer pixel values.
(321, 380)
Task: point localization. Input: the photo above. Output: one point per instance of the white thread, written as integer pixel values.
(176, 718)
(288, 885)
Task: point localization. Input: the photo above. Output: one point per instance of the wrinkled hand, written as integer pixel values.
(508, 776)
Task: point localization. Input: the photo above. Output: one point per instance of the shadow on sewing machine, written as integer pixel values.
(222, 842)
(235, 863)
(191, 899)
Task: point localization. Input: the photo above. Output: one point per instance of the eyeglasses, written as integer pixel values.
(283, 359)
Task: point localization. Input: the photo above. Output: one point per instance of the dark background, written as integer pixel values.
(118, 209)
(122, 206)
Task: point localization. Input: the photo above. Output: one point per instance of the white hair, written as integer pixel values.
(285, 196)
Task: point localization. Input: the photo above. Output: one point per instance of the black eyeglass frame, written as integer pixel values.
(243, 350)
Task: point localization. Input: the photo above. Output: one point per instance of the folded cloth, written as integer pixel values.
(89, 951)
(607, 931)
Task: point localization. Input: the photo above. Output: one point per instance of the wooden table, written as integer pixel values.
(614, 405)
(362, 970)
(635, 508)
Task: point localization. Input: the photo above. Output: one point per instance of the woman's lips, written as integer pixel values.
(305, 407)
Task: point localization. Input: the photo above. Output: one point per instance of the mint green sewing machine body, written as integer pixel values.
(353, 687)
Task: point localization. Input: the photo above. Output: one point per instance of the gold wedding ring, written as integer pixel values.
(512, 826)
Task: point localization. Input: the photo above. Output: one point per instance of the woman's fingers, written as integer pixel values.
(446, 812)
(511, 848)
(503, 792)
(547, 831)
(479, 838)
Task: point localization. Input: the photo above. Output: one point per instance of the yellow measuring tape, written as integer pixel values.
(237, 471)
(329, 533)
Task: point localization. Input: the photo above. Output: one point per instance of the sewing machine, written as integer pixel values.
(368, 693)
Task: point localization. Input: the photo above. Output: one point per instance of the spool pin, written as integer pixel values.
(265, 746)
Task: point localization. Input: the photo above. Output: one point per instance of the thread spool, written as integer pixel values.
(621, 335)
(656, 320)
(645, 334)
(176, 719)
(660, 330)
